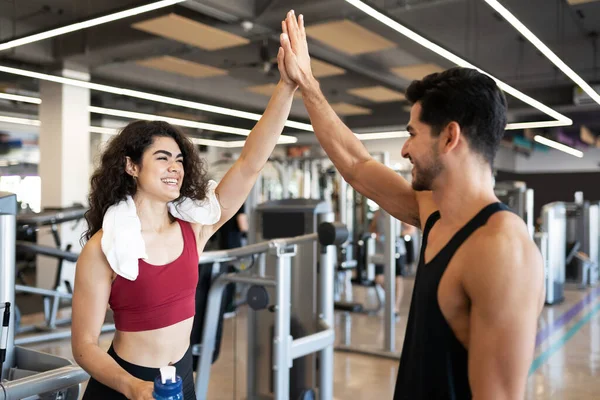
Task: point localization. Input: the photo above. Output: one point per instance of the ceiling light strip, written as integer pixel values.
(20, 121)
(182, 122)
(135, 115)
(558, 146)
(24, 99)
(455, 59)
(382, 135)
(549, 54)
(174, 121)
(88, 24)
(103, 130)
(219, 143)
(205, 142)
(534, 125)
(114, 131)
(147, 96)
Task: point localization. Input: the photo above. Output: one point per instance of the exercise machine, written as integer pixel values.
(519, 198)
(388, 349)
(273, 344)
(552, 242)
(24, 372)
(52, 328)
(289, 218)
(582, 242)
(28, 227)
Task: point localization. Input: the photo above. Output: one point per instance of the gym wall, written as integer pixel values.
(549, 187)
(557, 161)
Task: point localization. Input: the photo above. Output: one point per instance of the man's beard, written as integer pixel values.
(425, 175)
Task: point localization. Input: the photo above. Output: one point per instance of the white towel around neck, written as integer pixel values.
(122, 241)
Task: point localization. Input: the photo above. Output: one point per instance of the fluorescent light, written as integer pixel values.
(135, 115)
(174, 121)
(533, 125)
(103, 130)
(457, 60)
(207, 142)
(549, 54)
(382, 135)
(403, 134)
(87, 24)
(558, 146)
(147, 96)
(20, 121)
(114, 131)
(24, 99)
(219, 143)
(183, 122)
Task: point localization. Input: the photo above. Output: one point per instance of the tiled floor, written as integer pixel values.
(567, 367)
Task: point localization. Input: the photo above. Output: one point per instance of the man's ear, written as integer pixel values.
(131, 168)
(450, 137)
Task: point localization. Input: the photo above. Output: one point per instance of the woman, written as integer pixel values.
(147, 168)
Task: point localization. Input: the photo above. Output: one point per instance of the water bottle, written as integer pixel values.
(168, 385)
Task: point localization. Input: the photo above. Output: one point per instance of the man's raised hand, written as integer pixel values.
(295, 47)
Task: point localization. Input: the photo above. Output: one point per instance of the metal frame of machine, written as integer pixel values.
(26, 372)
(51, 328)
(285, 348)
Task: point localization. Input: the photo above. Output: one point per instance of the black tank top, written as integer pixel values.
(433, 364)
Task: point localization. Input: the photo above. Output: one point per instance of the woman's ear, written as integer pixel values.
(130, 167)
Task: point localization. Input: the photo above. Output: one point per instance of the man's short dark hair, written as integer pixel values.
(468, 97)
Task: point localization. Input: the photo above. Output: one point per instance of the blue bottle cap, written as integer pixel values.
(168, 389)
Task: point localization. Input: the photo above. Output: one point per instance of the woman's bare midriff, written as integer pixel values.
(156, 348)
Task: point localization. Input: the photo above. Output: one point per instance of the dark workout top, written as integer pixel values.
(434, 364)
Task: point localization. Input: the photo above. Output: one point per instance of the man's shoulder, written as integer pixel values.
(504, 242)
(502, 264)
(503, 228)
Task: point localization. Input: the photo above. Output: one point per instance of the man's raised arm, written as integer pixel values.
(366, 175)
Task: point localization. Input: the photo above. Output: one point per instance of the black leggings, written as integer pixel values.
(400, 267)
(97, 391)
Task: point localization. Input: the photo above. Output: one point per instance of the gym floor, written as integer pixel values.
(566, 366)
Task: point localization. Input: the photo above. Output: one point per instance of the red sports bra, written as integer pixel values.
(162, 295)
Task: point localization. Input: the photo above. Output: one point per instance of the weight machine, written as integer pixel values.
(24, 372)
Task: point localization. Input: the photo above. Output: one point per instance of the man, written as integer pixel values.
(479, 286)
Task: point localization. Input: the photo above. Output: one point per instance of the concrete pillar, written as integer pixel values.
(64, 166)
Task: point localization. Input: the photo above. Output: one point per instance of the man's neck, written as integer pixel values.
(461, 194)
(153, 214)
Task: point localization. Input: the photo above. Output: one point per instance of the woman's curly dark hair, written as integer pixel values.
(110, 183)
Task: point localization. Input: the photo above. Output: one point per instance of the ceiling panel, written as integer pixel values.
(267, 90)
(349, 109)
(418, 71)
(377, 94)
(188, 31)
(575, 2)
(322, 69)
(181, 67)
(348, 37)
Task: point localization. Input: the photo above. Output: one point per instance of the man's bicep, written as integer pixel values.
(391, 191)
(500, 352)
(503, 323)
